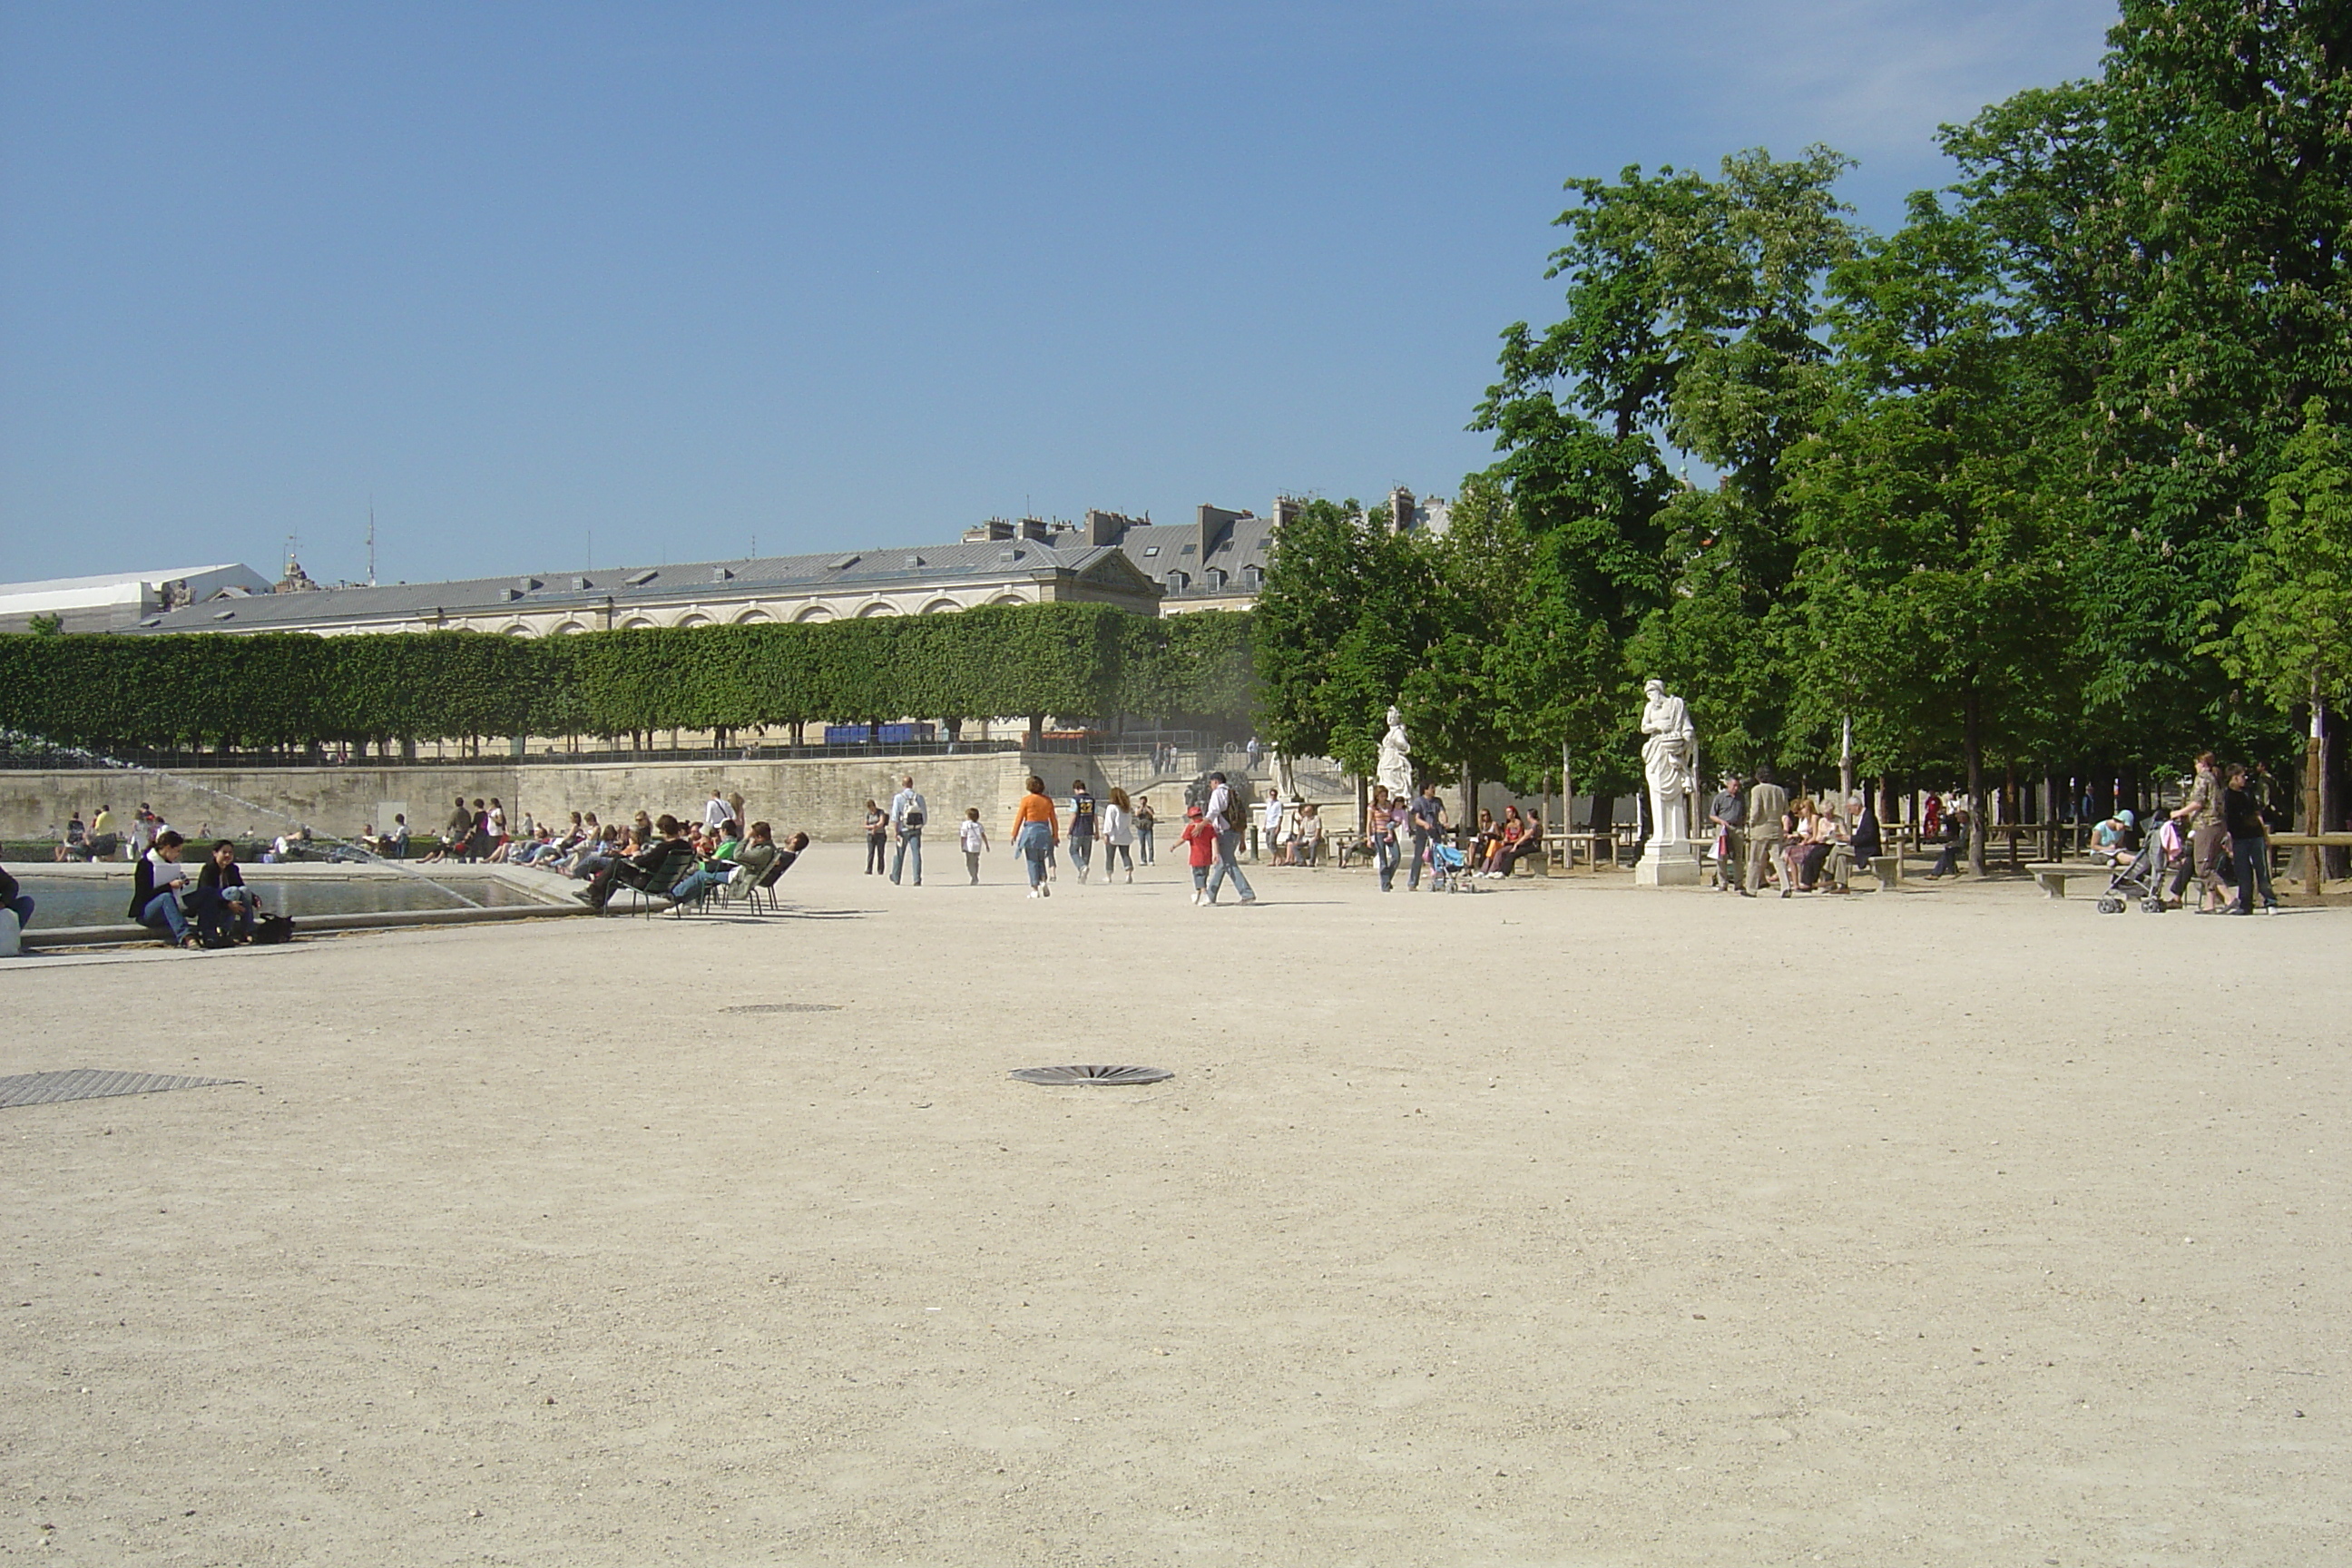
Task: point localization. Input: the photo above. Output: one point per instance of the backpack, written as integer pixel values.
(272, 929)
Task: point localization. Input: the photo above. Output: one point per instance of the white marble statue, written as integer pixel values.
(1667, 758)
(1395, 766)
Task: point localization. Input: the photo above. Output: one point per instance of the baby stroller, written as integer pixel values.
(2138, 879)
(1449, 869)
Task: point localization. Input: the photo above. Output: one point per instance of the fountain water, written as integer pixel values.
(19, 740)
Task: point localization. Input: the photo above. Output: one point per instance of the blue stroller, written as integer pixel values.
(1449, 869)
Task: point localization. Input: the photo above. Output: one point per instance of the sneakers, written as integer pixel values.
(1033, 892)
(1249, 899)
(1044, 890)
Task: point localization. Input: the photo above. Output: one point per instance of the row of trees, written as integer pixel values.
(2056, 470)
(295, 689)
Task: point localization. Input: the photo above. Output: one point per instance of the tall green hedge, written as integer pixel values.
(217, 690)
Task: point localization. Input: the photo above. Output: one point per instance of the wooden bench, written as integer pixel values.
(2051, 876)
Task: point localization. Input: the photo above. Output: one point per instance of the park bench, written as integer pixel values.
(2051, 876)
(1888, 869)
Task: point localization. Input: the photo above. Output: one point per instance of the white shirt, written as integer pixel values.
(974, 837)
(715, 812)
(1118, 828)
(905, 800)
(1273, 813)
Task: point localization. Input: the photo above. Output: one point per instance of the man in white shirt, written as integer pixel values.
(1223, 818)
(716, 812)
(907, 815)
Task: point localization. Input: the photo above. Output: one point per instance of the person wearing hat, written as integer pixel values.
(1201, 841)
(1728, 812)
(2116, 840)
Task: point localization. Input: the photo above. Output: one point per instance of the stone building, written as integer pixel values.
(1039, 568)
(115, 601)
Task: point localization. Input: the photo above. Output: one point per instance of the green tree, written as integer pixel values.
(2292, 639)
(1933, 572)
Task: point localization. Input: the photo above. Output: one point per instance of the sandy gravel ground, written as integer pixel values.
(1568, 1224)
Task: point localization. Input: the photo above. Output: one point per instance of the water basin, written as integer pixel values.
(61, 902)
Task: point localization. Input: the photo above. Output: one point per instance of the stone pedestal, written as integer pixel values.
(1670, 863)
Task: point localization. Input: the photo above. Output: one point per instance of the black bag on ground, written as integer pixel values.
(270, 930)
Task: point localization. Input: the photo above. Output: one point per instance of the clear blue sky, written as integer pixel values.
(681, 275)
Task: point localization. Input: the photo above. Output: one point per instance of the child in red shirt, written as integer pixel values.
(1203, 841)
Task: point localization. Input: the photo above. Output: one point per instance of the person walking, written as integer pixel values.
(974, 838)
(1144, 820)
(1426, 819)
(1767, 835)
(1382, 827)
(1082, 828)
(1269, 833)
(1200, 842)
(1036, 829)
(1728, 812)
(907, 815)
(877, 838)
(1118, 833)
(2249, 845)
(1223, 816)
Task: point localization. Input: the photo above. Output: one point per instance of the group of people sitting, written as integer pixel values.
(217, 909)
(1290, 833)
(664, 857)
(1501, 846)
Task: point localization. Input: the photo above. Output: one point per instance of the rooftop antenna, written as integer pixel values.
(370, 538)
(292, 541)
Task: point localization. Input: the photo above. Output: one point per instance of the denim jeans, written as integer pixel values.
(910, 846)
(2250, 859)
(218, 911)
(23, 905)
(1143, 845)
(1034, 840)
(163, 914)
(692, 885)
(1420, 859)
(1384, 860)
(1227, 843)
(1082, 853)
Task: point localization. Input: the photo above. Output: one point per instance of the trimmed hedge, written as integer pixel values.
(218, 689)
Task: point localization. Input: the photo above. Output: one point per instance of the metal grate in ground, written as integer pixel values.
(92, 1083)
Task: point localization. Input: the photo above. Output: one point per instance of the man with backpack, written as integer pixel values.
(1082, 828)
(1223, 818)
(907, 815)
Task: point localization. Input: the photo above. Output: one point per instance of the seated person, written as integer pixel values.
(75, 846)
(155, 888)
(1825, 837)
(664, 858)
(1529, 842)
(1505, 840)
(224, 907)
(2117, 841)
(1487, 841)
(14, 896)
(1307, 836)
(757, 853)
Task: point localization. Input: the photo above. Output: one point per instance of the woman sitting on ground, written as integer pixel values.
(155, 888)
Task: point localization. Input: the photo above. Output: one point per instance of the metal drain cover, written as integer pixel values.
(1093, 1075)
(92, 1083)
(784, 1007)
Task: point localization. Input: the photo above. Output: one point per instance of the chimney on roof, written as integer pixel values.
(1214, 522)
(1106, 527)
(988, 532)
(1286, 509)
(1034, 528)
(1402, 511)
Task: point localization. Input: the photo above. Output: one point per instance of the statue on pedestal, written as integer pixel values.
(1669, 756)
(1395, 766)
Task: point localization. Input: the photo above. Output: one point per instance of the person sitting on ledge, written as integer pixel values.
(155, 887)
(14, 896)
(224, 908)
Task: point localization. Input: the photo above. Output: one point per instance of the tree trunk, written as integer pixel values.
(1463, 824)
(1972, 744)
(2315, 793)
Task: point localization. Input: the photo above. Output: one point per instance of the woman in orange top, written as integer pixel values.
(1035, 830)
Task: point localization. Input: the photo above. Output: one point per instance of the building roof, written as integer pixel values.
(834, 571)
(1171, 555)
(107, 587)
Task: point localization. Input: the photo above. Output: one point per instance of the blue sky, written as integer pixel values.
(656, 280)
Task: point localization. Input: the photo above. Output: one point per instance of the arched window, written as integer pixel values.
(636, 624)
(517, 630)
(568, 628)
(876, 611)
(813, 615)
(1214, 578)
(1178, 581)
(941, 607)
(753, 617)
(694, 619)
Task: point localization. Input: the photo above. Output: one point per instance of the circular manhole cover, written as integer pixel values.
(784, 1007)
(1093, 1075)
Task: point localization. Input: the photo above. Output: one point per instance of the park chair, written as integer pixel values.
(764, 890)
(654, 880)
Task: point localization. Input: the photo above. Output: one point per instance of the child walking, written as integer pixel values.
(975, 841)
(1202, 840)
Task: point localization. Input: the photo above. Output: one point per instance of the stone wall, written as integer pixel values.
(822, 796)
